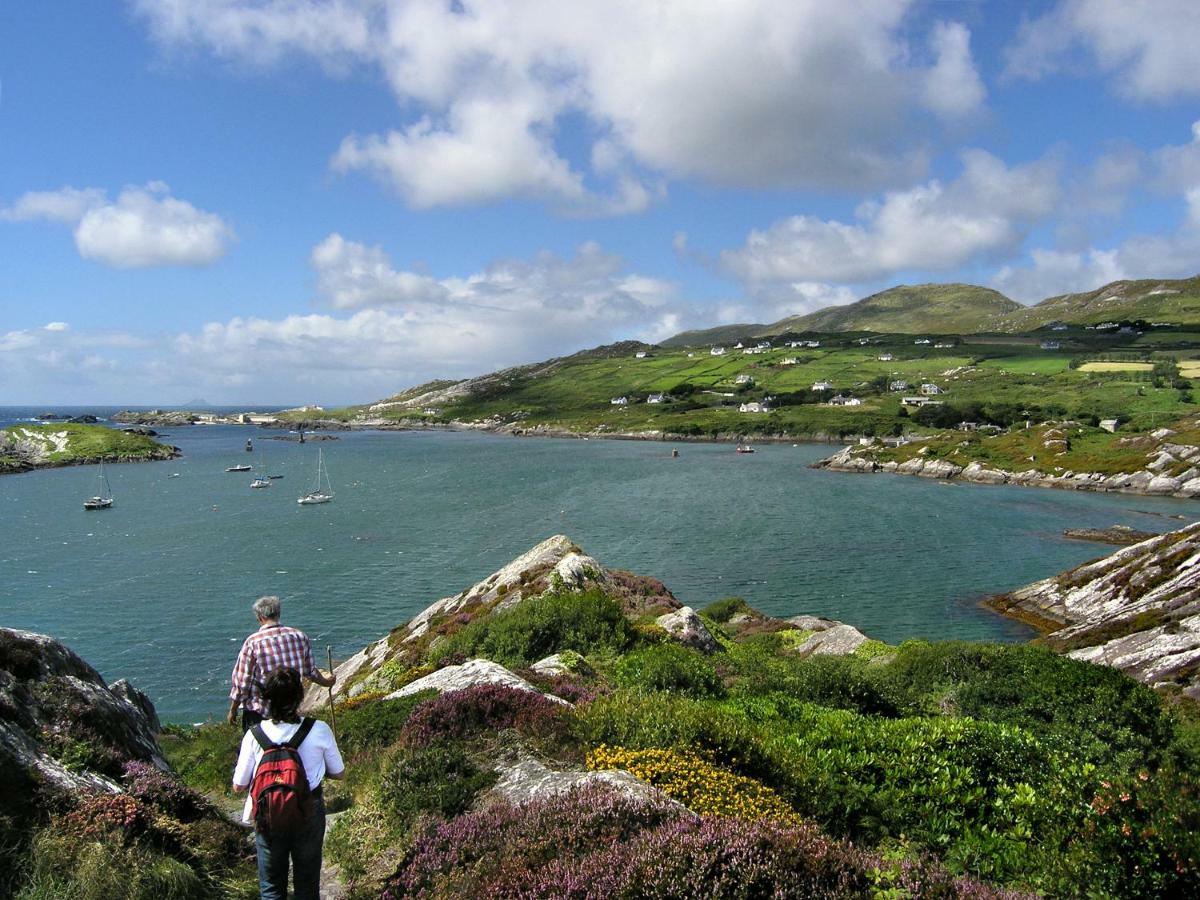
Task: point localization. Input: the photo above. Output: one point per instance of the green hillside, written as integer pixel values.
(722, 334)
(910, 309)
(1151, 300)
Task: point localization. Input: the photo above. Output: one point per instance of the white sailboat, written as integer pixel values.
(263, 480)
(104, 499)
(319, 494)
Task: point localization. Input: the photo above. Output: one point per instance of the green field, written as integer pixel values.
(82, 444)
(1001, 379)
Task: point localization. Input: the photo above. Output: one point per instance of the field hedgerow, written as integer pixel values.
(698, 784)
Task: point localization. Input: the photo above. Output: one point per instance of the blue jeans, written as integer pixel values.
(302, 850)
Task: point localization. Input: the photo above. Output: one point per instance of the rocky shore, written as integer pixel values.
(1170, 470)
(25, 448)
(1137, 610)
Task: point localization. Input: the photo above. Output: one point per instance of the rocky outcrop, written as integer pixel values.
(1168, 470)
(1121, 535)
(556, 563)
(837, 640)
(524, 779)
(1137, 610)
(685, 626)
(469, 674)
(61, 726)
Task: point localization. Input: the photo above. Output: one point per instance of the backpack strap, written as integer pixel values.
(261, 737)
(306, 725)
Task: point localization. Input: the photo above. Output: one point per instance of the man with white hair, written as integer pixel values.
(273, 646)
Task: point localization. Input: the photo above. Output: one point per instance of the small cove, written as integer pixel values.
(158, 588)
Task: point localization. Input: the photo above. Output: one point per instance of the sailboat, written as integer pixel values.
(263, 480)
(104, 499)
(317, 494)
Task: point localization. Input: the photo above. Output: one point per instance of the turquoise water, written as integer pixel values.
(158, 588)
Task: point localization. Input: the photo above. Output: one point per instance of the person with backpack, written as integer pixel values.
(283, 761)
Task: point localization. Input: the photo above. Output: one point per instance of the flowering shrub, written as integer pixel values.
(484, 707)
(698, 784)
(618, 846)
(571, 687)
(100, 815)
(669, 667)
(165, 792)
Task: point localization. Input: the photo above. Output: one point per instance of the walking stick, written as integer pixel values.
(332, 716)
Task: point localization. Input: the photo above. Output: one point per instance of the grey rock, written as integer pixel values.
(840, 640)
(469, 674)
(560, 664)
(685, 626)
(132, 695)
(811, 623)
(1163, 484)
(526, 779)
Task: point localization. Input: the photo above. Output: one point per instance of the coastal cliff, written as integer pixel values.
(1137, 610)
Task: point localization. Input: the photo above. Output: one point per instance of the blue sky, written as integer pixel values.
(325, 201)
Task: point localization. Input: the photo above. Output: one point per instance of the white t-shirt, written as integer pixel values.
(319, 753)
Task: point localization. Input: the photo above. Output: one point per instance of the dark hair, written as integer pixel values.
(282, 692)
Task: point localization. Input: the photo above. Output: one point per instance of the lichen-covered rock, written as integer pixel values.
(525, 779)
(837, 640)
(811, 623)
(1137, 609)
(469, 674)
(562, 663)
(687, 628)
(53, 704)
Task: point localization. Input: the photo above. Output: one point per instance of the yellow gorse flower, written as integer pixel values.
(698, 784)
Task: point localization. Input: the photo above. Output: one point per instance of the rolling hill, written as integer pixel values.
(1153, 300)
(910, 309)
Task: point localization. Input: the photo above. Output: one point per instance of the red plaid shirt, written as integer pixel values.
(271, 647)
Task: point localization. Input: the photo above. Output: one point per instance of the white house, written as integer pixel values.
(763, 345)
(619, 401)
(655, 398)
(1058, 326)
(738, 345)
(789, 361)
(691, 355)
(717, 351)
(641, 354)
(839, 400)
(943, 345)
(898, 386)
(886, 357)
(922, 341)
(754, 408)
(743, 379)
(822, 386)
(813, 344)
(929, 389)
(1051, 345)
(1110, 425)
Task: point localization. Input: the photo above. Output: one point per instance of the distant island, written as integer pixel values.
(27, 447)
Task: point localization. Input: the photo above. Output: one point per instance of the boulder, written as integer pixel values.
(811, 623)
(51, 700)
(685, 626)
(1163, 484)
(525, 779)
(838, 640)
(132, 695)
(469, 674)
(561, 664)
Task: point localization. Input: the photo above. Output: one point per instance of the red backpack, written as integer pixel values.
(280, 797)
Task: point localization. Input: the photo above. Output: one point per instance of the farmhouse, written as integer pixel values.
(922, 341)
(1051, 345)
(898, 385)
(641, 354)
(886, 357)
(839, 400)
(743, 379)
(655, 398)
(789, 361)
(919, 401)
(717, 351)
(929, 389)
(619, 401)
(822, 386)
(754, 407)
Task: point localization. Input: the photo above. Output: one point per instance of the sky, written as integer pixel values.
(327, 201)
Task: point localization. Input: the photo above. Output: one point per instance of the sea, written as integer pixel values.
(158, 588)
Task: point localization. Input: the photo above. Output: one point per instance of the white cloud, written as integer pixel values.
(66, 205)
(1052, 272)
(778, 301)
(1178, 167)
(953, 86)
(352, 275)
(765, 93)
(143, 227)
(56, 326)
(988, 210)
(1148, 47)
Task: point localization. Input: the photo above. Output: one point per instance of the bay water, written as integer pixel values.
(158, 588)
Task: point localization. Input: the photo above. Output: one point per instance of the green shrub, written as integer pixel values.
(670, 668)
(724, 610)
(440, 779)
(205, 756)
(587, 623)
(378, 724)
